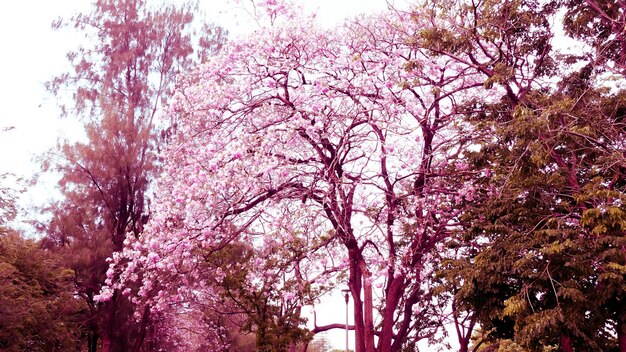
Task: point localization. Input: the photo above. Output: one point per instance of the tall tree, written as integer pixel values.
(119, 82)
(495, 39)
(544, 258)
(551, 267)
(341, 146)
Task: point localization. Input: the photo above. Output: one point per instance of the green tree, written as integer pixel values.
(274, 320)
(38, 308)
(550, 268)
(599, 24)
(493, 39)
(539, 257)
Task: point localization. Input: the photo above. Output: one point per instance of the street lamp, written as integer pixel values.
(346, 295)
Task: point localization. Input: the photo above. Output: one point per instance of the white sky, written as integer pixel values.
(32, 54)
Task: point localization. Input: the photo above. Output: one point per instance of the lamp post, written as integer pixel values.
(346, 295)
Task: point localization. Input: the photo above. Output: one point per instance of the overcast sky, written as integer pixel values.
(32, 53)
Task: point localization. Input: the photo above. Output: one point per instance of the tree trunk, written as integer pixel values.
(464, 341)
(621, 337)
(566, 344)
(143, 329)
(368, 314)
(92, 340)
(106, 342)
(108, 325)
(391, 302)
(354, 283)
(464, 346)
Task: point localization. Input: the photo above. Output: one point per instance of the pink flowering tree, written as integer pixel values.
(327, 152)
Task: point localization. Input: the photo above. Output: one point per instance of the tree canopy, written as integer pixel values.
(38, 308)
(119, 81)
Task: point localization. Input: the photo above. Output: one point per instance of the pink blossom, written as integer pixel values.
(153, 257)
(105, 295)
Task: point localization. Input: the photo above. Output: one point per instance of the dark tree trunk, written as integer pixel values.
(143, 328)
(464, 346)
(368, 308)
(92, 340)
(108, 324)
(621, 337)
(566, 344)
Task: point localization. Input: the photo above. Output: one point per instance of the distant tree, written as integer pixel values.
(320, 344)
(8, 197)
(38, 309)
(8, 193)
(118, 83)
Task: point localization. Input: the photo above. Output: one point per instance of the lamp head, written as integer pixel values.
(346, 294)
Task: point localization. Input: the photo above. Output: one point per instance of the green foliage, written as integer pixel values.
(551, 260)
(38, 308)
(600, 24)
(540, 259)
(10, 188)
(274, 321)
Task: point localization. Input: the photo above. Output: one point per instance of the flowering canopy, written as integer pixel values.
(336, 141)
